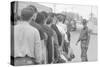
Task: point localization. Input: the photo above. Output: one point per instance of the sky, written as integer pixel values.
(83, 10)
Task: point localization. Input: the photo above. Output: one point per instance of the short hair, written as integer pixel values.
(26, 13)
(60, 17)
(52, 14)
(45, 14)
(49, 20)
(40, 18)
(33, 7)
(84, 21)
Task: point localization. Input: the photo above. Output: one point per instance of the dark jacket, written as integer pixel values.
(49, 42)
(58, 33)
(41, 30)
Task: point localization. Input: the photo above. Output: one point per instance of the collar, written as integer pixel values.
(23, 22)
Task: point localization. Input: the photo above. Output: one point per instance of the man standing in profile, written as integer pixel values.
(27, 44)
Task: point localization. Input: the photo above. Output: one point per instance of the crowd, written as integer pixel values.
(44, 38)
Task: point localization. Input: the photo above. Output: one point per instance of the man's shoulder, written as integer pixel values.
(26, 27)
(33, 28)
(16, 27)
(36, 26)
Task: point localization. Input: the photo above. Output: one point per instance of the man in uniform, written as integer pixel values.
(84, 39)
(41, 20)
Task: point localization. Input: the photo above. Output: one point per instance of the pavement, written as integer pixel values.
(92, 50)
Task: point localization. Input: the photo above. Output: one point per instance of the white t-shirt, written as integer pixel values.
(63, 29)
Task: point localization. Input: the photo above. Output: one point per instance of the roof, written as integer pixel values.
(23, 4)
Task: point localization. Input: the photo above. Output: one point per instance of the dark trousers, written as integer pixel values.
(50, 50)
(84, 48)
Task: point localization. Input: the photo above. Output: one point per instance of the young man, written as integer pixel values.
(41, 20)
(27, 44)
(57, 38)
(84, 39)
(62, 27)
(50, 23)
(65, 48)
(42, 34)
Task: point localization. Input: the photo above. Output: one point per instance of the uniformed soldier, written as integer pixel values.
(84, 39)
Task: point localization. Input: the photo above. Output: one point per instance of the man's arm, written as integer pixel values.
(55, 38)
(81, 34)
(38, 47)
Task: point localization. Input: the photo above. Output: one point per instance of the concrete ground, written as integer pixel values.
(92, 50)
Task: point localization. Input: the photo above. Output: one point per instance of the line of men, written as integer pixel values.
(44, 38)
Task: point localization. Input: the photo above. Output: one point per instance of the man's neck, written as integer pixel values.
(23, 22)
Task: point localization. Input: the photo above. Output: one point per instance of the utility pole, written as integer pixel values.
(16, 7)
(91, 15)
(54, 5)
